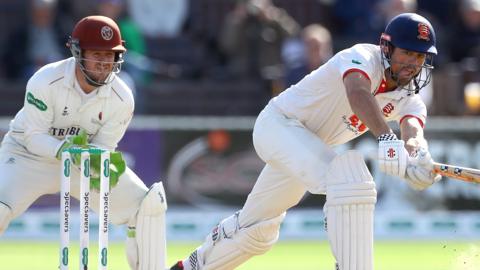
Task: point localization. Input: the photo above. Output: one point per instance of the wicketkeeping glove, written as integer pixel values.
(80, 140)
(392, 155)
(117, 168)
(419, 174)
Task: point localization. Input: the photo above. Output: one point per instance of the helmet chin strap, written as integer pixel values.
(91, 81)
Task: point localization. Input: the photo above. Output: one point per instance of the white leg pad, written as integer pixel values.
(146, 242)
(228, 245)
(351, 198)
(5, 217)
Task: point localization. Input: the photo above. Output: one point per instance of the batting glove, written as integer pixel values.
(392, 155)
(420, 173)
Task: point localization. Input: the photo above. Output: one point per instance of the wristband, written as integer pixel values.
(387, 137)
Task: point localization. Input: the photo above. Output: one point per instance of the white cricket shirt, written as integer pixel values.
(320, 102)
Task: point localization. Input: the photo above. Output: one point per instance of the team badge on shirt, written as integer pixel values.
(388, 109)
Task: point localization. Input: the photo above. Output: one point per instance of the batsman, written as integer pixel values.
(359, 89)
(81, 102)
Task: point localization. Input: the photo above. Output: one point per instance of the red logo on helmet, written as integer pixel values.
(423, 32)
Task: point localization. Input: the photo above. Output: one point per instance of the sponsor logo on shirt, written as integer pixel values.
(62, 132)
(354, 124)
(356, 62)
(65, 111)
(36, 102)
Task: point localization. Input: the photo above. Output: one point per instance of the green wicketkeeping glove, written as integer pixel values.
(80, 140)
(117, 168)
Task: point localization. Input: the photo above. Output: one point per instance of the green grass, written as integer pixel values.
(389, 255)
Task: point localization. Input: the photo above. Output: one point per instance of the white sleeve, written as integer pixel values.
(353, 59)
(413, 107)
(38, 116)
(113, 130)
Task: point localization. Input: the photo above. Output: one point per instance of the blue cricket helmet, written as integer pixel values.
(412, 32)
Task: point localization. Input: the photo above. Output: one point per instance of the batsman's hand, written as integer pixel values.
(420, 173)
(392, 155)
(117, 168)
(80, 141)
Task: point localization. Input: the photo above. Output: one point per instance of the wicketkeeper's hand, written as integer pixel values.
(80, 141)
(117, 168)
(392, 155)
(419, 174)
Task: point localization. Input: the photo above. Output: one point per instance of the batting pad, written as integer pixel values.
(5, 217)
(150, 230)
(351, 198)
(228, 245)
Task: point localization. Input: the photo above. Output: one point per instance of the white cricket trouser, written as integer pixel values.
(296, 162)
(24, 178)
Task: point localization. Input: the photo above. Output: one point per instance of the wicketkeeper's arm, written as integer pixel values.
(80, 140)
(38, 118)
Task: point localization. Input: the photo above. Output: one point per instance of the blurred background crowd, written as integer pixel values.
(228, 57)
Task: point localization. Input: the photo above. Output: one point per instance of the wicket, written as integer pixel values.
(84, 207)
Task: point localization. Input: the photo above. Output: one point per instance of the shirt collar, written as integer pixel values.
(396, 94)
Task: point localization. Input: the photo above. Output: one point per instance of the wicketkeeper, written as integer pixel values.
(80, 102)
(359, 89)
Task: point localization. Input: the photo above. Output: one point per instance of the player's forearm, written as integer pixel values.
(42, 145)
(412, 134)
(367, 109)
